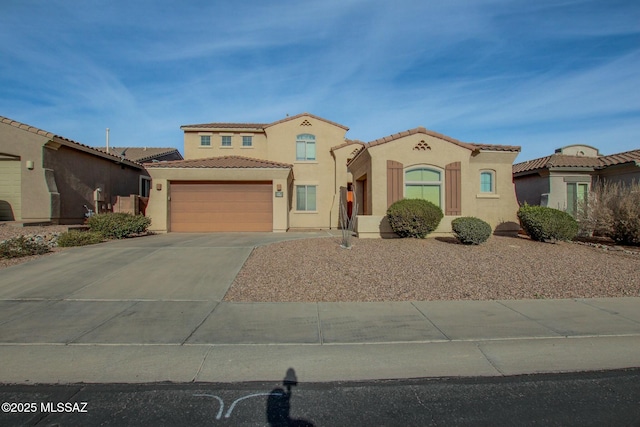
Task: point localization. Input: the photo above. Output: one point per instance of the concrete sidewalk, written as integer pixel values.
(121, 312)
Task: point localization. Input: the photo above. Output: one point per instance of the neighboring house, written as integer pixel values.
(563, 179)
(253, 177)
(145, 154)
(292, 174)
(463, 179)
(49, 178)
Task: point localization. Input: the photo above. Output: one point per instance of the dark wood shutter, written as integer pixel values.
(453, 189)
(395, 181)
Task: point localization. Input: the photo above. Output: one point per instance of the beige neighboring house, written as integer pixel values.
(563, 179)
(48, 178)
(463, 179)
(279, 176)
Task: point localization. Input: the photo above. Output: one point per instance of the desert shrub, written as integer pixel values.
(118, 225)
(79, 238)
(414, 217)
(612, 210)
(547, 224)
(470, 230)
(21, 246)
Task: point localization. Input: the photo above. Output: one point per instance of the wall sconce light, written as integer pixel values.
(158, 186)
(279, 187)
(30, 164)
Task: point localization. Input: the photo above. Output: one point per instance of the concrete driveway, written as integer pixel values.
(155, 289)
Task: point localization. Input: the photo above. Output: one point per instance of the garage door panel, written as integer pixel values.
(221, 206)
(10, 192)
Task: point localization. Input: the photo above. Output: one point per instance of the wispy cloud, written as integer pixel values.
(537, 74)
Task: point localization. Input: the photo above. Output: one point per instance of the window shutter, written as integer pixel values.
(395, 182)
(453, 189)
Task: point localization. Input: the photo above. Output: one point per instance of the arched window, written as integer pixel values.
(423, 183)
(487, 182)
(305, 147)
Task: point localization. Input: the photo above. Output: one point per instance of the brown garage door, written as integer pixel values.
(221, 206)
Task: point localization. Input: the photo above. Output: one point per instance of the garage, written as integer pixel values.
(10, 194)
(209, 206)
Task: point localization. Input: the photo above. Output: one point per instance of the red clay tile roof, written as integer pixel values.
(140, 154)
(620, 158)
(468, 145)
(260, 126)
(422, 130)
(68, 142)
(561, 160)
(347, 143)
(230, 162)
(226, 126)
(297, 116)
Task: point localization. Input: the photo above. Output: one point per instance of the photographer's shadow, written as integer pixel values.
(279, 404)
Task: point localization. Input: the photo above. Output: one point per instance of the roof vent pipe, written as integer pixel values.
(107, 140)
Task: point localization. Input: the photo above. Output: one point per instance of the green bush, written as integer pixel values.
(547, 224)
(21, 246)
(118, 225)
(414, 217)
(79, 238)
(470, 230)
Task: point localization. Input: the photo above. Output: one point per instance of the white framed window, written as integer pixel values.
(487, 181)
(424, 183)
(226, 141)
(205, 140)
(306, 197)
(305, 147)
(247, 141)
(576, 195)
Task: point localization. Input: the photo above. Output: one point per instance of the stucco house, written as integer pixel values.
(292, 174)
(463, 179)
(48, 178)
(564, 178)
(278, 176)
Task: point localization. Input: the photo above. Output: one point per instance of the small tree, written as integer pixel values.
(612, 210)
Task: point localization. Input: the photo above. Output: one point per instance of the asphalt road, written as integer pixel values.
(609, 398)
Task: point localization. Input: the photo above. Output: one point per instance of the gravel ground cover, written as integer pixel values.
(9, 232)
(315, 270)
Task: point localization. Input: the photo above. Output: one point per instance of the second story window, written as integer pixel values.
(205, 140)
(226, 141)
(247, 141)
(305, 147)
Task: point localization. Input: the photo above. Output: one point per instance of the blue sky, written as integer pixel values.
(539, 74)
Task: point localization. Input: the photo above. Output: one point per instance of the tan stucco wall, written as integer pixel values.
(625, 174)
(159, 198)
(558, 187)
(193, 149)
(530, 188)
(36, 198)
(278, 144)
(579, 150)
(77, 174)
(497, 209)
(63, 179)
(281, 147)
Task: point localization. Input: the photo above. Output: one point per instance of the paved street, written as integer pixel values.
(586, 399)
